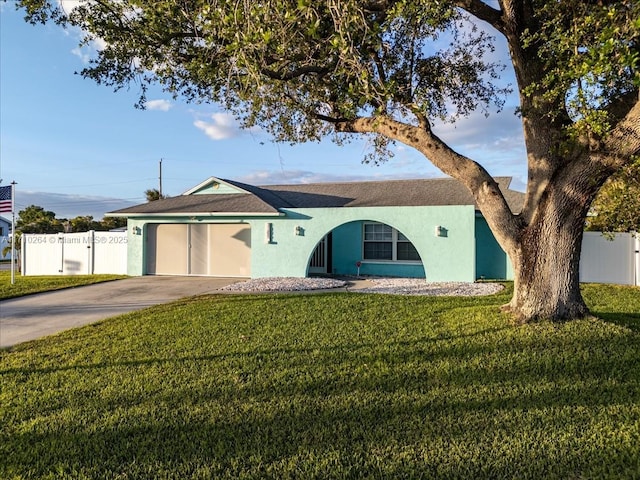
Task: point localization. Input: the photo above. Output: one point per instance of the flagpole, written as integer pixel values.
(13, 232)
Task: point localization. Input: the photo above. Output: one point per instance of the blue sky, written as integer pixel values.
(78, 148)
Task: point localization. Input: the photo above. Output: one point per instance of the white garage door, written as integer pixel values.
(221, 250)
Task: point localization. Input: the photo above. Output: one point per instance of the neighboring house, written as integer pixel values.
(405, 228)
(5, 240)
(5, 227)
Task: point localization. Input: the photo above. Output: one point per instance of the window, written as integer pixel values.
(378, 241)
(382, 242)
(405, 249)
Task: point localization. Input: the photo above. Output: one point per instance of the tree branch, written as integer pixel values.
(623, 142)
(328, 119)
(480, 183)
(298, 72)
(621, 105)
(481, 10)
(378, 6)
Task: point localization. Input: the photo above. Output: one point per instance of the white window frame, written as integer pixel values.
(394, 245)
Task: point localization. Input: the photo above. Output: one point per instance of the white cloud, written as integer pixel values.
(84, 56)
(222, 126)
(86, 52)
(161, 105)
(69, 5)
(497, 132)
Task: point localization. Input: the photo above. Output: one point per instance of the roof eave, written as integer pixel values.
(198, 214)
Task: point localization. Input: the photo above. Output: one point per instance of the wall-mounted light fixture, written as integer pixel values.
(136, 230)
(441, 231)
(299, 231)
(268, 232)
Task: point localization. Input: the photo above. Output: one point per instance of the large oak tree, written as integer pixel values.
(305, 69)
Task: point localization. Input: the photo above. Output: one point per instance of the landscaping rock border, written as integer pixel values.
(395, 286)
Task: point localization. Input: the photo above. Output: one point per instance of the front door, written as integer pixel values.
(319, 263)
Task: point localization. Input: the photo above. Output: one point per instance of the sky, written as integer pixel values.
(78, 148)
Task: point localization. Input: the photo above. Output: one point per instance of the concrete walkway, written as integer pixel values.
(35, 316)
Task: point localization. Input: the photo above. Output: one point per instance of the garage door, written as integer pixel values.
(221, 250)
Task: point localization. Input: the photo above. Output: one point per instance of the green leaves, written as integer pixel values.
(278, 63)
(591, 57)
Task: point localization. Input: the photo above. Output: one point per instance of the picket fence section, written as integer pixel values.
(83, 253)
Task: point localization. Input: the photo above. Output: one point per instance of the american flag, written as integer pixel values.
(5, 199)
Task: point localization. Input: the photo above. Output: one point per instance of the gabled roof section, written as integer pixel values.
(214, 186)
(214, 196)
(200, 205)
(231, 198)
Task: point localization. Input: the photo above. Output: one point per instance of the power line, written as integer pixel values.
(105, 184)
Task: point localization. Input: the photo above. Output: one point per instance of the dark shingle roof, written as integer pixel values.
(221, 203)
(388, 193)
(269, 199)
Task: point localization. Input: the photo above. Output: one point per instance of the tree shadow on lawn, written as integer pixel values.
(313, 441)
(530, 407)
(624, 319)
(412, 348)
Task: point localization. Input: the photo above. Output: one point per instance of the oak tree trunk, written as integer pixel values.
(546, 257)
(546, 277)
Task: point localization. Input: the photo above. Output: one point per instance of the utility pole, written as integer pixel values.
(160, 178)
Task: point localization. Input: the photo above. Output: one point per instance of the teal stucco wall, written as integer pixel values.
(294, 236)
(492, 263)
(135, 247)
(444, 258)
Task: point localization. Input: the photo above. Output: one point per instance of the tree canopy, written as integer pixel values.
(35, 219)
(617, 206)
(306, 69)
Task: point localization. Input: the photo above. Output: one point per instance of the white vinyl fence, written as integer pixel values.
(605, 260)
(602, 260)
(74, 253)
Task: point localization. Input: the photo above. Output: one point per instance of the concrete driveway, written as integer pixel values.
(35, 316)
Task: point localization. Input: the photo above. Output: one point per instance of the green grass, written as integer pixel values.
(37, 284)
(338, 385)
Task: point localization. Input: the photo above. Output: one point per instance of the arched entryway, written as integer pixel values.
(366, 247)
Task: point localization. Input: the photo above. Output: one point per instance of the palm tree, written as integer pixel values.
(153, 194)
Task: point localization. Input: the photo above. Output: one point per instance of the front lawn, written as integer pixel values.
(338, 385)
(44, 283)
